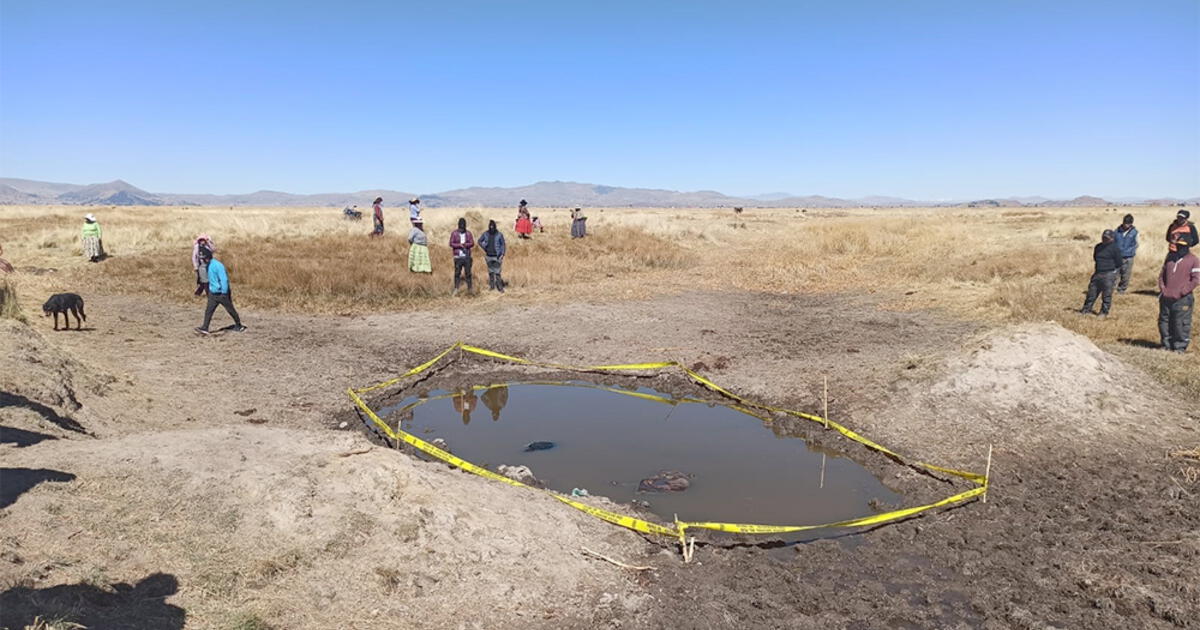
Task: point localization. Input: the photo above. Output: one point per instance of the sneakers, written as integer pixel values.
(238, 328)
(201, 330)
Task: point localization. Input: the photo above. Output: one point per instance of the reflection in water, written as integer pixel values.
(465, 403)
(495, 399)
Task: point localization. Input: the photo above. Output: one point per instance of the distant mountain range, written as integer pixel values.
(553, 194)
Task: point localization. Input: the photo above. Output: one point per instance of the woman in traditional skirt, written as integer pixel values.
(418, 250)
(578, 224)
(377, 208)
(200, 262)
(93, 246)
(524, 226)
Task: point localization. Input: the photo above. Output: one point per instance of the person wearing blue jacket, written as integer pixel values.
(494, 249)
(218, 293)
(1127, 242)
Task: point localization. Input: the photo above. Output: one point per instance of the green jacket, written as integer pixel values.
(91, 229)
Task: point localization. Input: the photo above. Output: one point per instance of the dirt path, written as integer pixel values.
(1087, 527)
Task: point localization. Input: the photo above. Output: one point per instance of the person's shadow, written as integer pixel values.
(22, 438)
(1140, 343)
(120, 606)
(17, 481)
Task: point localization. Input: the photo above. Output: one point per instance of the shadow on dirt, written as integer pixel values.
(17, 481)
(1140, 343)
(9, 399)
(21, 437)
(141, 606)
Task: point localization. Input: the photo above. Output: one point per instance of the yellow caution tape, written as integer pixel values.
(679, 527)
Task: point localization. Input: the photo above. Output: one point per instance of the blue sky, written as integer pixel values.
(929, 100)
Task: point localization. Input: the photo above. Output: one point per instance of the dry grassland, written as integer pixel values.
(1017, 264)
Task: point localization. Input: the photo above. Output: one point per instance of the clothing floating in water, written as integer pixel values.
(538, 446)
(665, 481)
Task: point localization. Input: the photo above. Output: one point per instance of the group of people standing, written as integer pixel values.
(462, 242)
(1178, 278)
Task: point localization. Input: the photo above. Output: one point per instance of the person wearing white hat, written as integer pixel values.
(414, 211)
(93, 246)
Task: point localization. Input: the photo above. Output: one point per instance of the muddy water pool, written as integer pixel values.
(738, 469)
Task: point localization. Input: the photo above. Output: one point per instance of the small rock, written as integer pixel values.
(246, 412)
(341, 425)
(539, 446)
(441, 443)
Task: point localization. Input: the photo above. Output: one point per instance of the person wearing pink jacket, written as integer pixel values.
(1180, 276)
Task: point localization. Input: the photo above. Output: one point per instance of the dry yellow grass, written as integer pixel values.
(1019, 264)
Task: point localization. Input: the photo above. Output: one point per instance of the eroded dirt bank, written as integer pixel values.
(207, 474)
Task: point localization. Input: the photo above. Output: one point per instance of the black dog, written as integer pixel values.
(64, 303)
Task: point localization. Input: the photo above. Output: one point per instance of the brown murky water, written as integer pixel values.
(605, 442)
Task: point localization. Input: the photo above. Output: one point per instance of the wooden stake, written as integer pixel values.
(822, 470)
(825, 398)
(589, 552)
(987, 474)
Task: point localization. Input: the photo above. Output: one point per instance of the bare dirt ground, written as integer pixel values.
(150, 478)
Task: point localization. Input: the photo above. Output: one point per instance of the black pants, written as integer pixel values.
(1126, 274)
(1101, 284)
(462, 267)
(224, 299)
(1175, 322)
(494, 280)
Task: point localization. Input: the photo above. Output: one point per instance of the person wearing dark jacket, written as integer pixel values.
(461, 243)
(1182, 226)
(1127, 242)
(1108, 261)
(492, 244)
(1180, 276)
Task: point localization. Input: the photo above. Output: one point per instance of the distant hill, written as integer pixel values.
(550, 193)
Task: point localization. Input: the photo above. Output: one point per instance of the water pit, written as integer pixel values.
(736, 469)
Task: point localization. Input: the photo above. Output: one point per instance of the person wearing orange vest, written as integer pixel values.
(1180, 276)
(1184, 227)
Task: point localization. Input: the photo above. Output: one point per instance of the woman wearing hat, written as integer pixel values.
(378, 208)
(200, 262)
(418, 250)
(578, 223)
(524, 226)
(93, 246)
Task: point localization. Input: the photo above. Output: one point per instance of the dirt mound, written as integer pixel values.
(307, 529)
(1038, 366)
(1035, 381)
(42, 388)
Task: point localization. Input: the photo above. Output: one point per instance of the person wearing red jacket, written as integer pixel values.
(1180, 276)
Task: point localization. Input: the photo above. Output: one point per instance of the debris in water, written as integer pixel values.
(441, 443)
(519, 473)
(579, 492)
(538, 446)
(665, 481)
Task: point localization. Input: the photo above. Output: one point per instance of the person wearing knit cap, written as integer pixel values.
(1127, 242)
(1179, 277)
(1183, 226)
(1107, 257)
